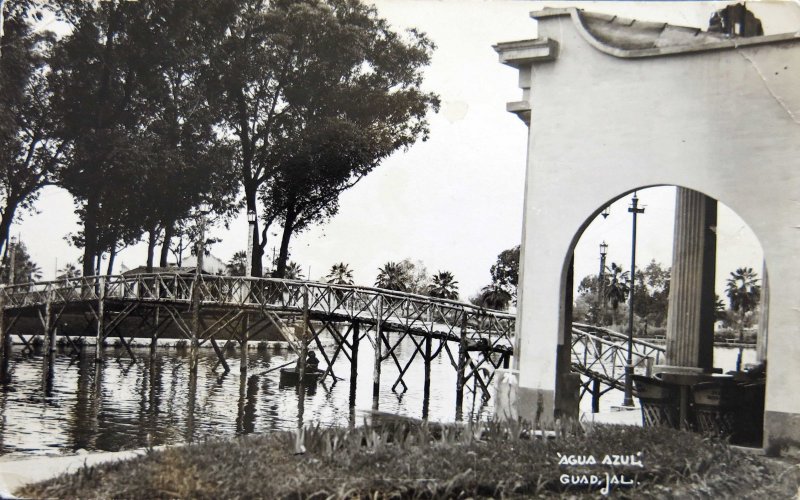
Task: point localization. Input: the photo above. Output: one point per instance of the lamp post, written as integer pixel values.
(601, 285)
(251, 225)
(628, 399)
(11, 259)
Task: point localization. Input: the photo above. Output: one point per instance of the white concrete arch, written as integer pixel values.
(721, 118)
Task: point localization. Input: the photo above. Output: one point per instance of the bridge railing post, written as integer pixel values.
(303, 340)
(101, 296)
(595, 380)
(426, 386)
(5, 338)
(193, 347)
(376, 372)
(462, 366)
(354, 362)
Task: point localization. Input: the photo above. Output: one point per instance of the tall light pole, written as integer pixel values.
(628, 400)
(601, 285)
(11, 259)
(251, 225)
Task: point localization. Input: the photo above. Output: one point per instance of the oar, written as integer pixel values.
(278, 367)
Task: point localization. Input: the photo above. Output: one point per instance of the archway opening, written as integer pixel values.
(617, 318)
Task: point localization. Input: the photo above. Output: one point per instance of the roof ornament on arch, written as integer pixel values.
(731, 27)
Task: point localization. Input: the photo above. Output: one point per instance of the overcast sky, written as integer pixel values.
(455, 201)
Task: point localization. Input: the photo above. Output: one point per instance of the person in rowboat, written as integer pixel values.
(312, 363)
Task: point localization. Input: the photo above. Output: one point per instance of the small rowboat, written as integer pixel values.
(290, 376)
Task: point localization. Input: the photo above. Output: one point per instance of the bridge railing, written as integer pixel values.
(348, 302)
(606, 356)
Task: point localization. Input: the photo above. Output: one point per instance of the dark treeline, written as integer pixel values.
(147, 111)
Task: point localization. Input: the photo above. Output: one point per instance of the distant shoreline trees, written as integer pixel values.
(502, 291)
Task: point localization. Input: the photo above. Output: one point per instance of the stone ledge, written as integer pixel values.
(523, 52)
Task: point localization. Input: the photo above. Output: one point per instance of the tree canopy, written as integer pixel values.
(29, 154)
(146, 110)
(314, 94)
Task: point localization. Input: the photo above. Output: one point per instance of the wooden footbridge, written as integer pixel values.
(206, 310)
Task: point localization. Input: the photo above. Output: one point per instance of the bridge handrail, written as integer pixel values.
(91, 281)
(621, 336)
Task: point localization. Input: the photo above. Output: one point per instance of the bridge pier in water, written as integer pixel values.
(205, 310)
(100, 316)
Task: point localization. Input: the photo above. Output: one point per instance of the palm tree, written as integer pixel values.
(293, 271)
(444, 286)
(237, 266)
(744, 292)
(69, 270)
(392, 276)
(340, 274)
(617, 289)
(494, 296)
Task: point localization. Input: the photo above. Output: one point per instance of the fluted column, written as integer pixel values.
(690, 321)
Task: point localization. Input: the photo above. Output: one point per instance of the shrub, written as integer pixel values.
(406, 459)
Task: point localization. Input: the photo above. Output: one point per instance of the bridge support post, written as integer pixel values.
(154, 337)
(303, 343)
(244, 353)
(101, 294)
(426, 387)
(376, 372)
(596, 381)
(49, 346)
(354, 363)
(5, 338)
(462, 367)
(195, 322)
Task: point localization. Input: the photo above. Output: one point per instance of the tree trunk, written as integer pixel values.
(169, 231)
(5, 222)
(90, 237)
(98, 261)
(151, 248)
(111, 256)
(283, 255)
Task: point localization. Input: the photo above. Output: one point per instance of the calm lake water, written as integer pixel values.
(118, 405)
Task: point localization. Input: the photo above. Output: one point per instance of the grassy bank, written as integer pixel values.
(419, 461)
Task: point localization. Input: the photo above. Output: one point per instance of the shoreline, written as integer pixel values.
(17, 472)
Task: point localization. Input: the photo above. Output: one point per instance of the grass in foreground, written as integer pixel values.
(420, 461)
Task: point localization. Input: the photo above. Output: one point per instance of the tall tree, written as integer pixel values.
(29, 155)
(505, 272)
(286, 64)
(617, 290)
(130, 103)
(744, 292)
(25, 269)
(237, 266)
(444, 286)
(340, 274)
(294, 272)
(392, 276)
(493, 296)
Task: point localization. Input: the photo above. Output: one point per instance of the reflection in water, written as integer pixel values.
(79, 404)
